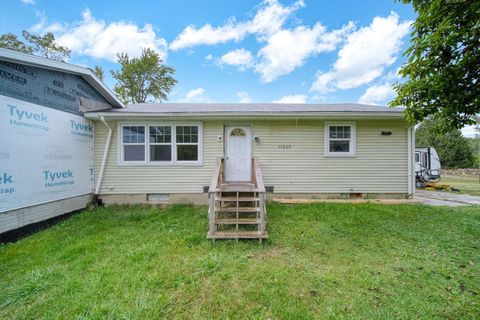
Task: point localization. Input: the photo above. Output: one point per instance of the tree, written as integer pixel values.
(41, 45)
(46, 46)
(453, 149)
(10, 41)
(99, 72)
(442, 71)
(143, 78)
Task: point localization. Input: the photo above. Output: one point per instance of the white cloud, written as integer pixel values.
(28, 1)
(244, 97)
(191, 36)
(209, 57)
(240, 57)
(286, 50)
(365, 55)
(293, 98)
(195, 95)
(102, 40)
(269, 18)
(377, 94)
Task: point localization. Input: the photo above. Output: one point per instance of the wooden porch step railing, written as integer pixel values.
(237, 210)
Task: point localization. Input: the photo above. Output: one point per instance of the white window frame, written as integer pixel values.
(121, 144)
(353, 139)
(186, 143)
(171, 144)
(147, 125)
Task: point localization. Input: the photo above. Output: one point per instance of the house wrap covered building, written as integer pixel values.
(46, 154)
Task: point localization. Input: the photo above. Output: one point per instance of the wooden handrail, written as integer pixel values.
(258, 178)
(217, 177)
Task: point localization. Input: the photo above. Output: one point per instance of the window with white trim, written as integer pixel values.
(340, 139)
(160, 140)
(187, 143)
(133, 146)
(160, 143)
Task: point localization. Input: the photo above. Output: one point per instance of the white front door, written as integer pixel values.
(238, 153)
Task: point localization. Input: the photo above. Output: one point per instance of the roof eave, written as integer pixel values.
(212, 115)
(87, 74)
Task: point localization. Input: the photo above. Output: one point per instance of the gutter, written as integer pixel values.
(210, 115)
(105, 155)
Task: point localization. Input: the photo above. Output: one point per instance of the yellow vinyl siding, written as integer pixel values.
(291, 155)
(380, 164)
(156, 178)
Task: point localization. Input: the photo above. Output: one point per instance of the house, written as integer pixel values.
(46, 158)
(68, 138)
(177, 153)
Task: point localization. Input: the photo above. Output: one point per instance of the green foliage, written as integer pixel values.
(475, 146)
(47, 47)
(10, 41)
(144, 78)
(322, 261)
(98, 70)
(41, 45)
(443, 65)
(453, 149)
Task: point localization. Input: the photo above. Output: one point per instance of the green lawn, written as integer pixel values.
(323, 261)
(467, 184)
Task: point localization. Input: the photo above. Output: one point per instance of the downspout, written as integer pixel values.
(105, 154)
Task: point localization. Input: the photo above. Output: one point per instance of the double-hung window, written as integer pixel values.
(160, 143)
(160, 140)
(187, 143)
(340, 139)
(133, 146)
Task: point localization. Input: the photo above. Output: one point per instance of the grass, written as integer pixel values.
(323, 261)
(467, 184)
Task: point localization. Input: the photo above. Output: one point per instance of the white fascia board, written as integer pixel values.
(256, 115)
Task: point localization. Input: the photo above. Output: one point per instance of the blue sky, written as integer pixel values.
(232, 51)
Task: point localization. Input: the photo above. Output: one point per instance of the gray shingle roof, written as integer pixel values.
(250, 108)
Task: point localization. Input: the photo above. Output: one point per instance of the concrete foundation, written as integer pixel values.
(202, 198)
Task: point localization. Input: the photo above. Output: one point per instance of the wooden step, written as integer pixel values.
(237, 209)
(237, 235)
(235, 199)
(237, 187)
(237, 221)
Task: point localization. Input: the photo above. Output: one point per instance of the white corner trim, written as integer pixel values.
(411, 160)
(353, 140)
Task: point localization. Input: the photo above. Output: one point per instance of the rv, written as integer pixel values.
(427, 165)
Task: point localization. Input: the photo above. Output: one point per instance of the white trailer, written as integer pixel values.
(427, 165)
